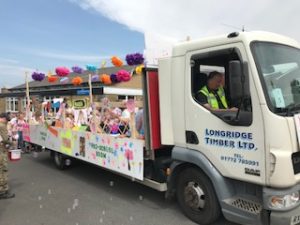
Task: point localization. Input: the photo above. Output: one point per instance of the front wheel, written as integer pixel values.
(196, 197)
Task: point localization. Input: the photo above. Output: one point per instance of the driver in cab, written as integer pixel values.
(212, 95)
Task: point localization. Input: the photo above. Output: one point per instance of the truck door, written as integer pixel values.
(236, 150)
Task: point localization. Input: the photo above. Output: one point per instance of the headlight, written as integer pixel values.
(284, 201)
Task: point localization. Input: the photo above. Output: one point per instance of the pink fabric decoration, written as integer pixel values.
(123, 75)
(62, 71)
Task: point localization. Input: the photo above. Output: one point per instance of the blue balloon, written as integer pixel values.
(91, 68)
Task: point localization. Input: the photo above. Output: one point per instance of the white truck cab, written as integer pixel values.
(245, 163)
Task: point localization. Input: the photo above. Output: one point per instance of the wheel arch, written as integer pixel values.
(184, 158)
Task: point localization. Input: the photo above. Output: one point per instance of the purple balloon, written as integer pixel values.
(114, 78)
(38, 76)
(95, 78)
(77, 69)
(134, 59)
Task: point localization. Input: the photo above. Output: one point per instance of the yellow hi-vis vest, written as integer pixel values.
(212, 100)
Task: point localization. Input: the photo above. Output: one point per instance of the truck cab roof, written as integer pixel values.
(246, 37)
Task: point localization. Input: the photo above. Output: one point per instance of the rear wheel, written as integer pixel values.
(196, 197)
(52, 153)
(61, 161)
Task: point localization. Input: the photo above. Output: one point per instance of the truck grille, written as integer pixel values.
(246, 205)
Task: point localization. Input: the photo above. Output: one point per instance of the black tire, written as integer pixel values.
(52, 153)
(196, 197)
(60, 161)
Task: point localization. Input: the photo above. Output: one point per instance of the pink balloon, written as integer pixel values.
(62, 71)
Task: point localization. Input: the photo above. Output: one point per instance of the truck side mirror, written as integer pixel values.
(239, 92)
(239, 81)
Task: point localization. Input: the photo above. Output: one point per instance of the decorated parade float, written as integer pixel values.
(90, 122)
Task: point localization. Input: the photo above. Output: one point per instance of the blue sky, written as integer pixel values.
(44, 34)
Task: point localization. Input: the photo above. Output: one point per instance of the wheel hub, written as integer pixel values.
(194, 196)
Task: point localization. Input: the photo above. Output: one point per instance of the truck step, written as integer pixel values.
(154, 184)
(245, 205)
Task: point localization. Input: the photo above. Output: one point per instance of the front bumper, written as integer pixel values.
(282, 217)
(291, 217)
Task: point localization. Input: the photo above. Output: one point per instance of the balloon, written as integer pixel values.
(104, 78)
(52, 79)
(76, 81)
(103, 64)
(134, 59)
(116, 61)
(49, 74)
(77, 69)
(62, 71)
(139, 69)
(95, 78)
(38, 76)
(91, 68)
(114, 78)
(123, 75)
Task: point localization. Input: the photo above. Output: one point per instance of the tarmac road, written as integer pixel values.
(82, 195)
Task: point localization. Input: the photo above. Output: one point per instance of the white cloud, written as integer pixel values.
(12, 75)
(69, 57)
(198, 18)
(4, 60)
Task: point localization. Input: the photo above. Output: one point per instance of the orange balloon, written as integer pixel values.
(76, 81)
(105, 78)
(116, 61)
(52, 79)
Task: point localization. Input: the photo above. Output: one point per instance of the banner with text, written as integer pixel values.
(123, 155)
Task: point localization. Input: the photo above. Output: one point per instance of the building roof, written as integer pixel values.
(85, 76)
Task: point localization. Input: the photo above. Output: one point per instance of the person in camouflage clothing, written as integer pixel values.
(4, 146)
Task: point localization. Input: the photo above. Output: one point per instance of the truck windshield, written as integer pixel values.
(279, 68)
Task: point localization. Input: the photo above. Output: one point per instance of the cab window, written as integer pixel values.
(203, 67)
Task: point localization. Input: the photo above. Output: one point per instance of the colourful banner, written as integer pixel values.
(123, 155)
(38, 134)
